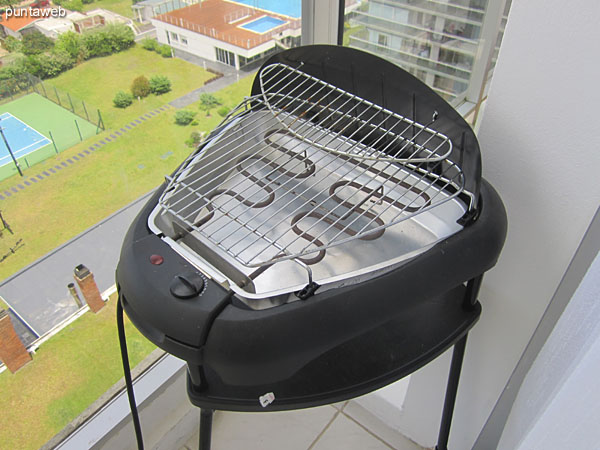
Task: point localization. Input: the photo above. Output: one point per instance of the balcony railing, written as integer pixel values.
(229, 37)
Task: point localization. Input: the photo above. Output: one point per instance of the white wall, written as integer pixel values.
(541, 150)
(201, 45)
(557, 405)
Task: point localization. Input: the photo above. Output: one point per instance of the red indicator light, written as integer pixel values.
(156, 259)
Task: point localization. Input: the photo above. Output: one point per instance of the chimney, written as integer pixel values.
(74, 294)
(12, 351)
(88, 288)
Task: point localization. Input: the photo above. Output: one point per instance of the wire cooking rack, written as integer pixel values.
(289, 92)
(287, 177)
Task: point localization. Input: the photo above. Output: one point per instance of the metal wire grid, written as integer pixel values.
(285, 90)
(211, 193)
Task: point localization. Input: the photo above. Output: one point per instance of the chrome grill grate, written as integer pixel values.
(289, 177)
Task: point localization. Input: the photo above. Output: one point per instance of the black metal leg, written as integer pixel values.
(206, 416)
(472, 290)
(451, 390)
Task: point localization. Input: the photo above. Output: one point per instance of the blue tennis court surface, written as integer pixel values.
(290, 8)
(21, 137)
(263, 24)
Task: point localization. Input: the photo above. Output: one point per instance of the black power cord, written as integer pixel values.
(127, 374)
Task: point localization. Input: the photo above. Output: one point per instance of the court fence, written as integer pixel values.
(26, 83)
(87, 121)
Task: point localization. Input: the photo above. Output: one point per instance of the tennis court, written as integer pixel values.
(36, 129)
(21, 138)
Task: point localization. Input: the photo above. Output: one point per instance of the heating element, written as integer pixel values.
(304, 167)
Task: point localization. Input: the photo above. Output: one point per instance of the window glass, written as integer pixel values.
(92, 134)
(440, 42)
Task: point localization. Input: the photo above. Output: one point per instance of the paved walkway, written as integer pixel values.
(39, 294)
(213, 86)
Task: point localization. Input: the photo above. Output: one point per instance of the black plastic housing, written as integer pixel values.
(336, 344)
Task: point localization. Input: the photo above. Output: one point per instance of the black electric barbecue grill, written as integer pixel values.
(328, 238)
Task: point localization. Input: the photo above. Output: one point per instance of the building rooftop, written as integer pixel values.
(17, 23)
(151, 2)
(55, 24)
(223, 20)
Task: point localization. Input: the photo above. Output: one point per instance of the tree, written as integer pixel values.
(12, 44)
(208, 102)
(34, 43)
(52, 64)
(140, 87)
(10, 4)
(109, 39)
(72, 44)
(160, 84)
(73, 5)
(123, 99)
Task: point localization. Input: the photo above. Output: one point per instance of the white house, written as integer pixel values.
(226, 32)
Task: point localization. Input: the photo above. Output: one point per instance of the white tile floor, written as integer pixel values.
(341, 426)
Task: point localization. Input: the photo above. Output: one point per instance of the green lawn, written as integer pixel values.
(50, 212)
(75, 367)
(97, 81)
(122, 7)
(68, 373)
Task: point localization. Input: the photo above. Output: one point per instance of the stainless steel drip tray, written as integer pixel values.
(262, 219)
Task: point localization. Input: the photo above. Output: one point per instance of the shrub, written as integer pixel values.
(34, 43)
(184, 117)
(194, 139)
(208, 102)
(223, 111)
(140, 87)
(149, 44)
(97, 43)
(52, 64)
(121, 37)
(160, 84)
(73, 5)
(13, 78)
(12, 44)
(72, 44)
(110, 39)
(164, 50)
(87, 2)
(123, 99)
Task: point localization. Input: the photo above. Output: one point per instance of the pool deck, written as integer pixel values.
(222, 20)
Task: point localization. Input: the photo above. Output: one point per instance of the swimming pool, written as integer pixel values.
(263, 24)
(291, 8)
